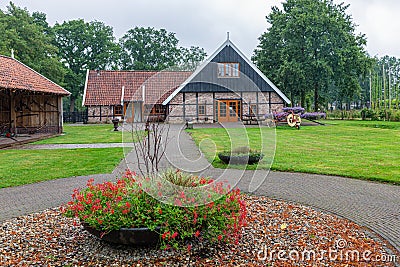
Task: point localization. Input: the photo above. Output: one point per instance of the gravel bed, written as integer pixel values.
(278, 234)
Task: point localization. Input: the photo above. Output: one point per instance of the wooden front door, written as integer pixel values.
(133, 112)
(228, 110)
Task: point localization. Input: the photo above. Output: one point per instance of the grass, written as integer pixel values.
(86, 134)
(18, 167)
(357, 149)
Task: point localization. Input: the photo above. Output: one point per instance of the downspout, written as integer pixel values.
(143, 105)
(122, 101)
(122, 95)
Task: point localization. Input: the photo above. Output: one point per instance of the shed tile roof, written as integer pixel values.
(16, 75)
(104, 87)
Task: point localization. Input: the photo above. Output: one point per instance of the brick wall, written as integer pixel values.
(176, 108)
(97, 114)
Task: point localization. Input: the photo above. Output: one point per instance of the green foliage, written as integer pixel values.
(311, 45)
(82, 46)
(190, 58)
(153, 49)
(382, 85)
(28, 36)
(64, 52)
(125, 204)
(366, 114)
(149, 49)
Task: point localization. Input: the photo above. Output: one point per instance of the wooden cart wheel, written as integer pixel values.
(294, 120)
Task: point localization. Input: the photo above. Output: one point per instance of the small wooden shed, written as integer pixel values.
(29, 102)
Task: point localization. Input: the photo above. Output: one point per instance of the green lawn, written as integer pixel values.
(86, 134)
(18, 167)
(358, 149)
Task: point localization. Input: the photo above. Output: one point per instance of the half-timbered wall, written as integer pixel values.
(5, 107)
(36, 113)
(185, 106)
(28, 113)
(100, 114)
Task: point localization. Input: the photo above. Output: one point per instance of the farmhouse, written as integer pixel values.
(227, 87)
(29, 102)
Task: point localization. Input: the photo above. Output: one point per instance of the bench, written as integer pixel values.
(251, 119)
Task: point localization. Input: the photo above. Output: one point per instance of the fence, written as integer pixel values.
(76, 116)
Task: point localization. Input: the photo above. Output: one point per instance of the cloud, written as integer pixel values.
(378, 20)
(205, 23)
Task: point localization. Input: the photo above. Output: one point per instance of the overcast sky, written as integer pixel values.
(205, 23)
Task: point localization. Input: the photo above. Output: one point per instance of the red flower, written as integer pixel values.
(219, 237)
(164, 235)
(127, 205)
(178, 202)
(174, 235)
(189, 247)
(197, 234)
(160, 211)
(125, 211)
(90, 182)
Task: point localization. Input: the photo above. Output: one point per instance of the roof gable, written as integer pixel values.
(16, 75)
(254, 79)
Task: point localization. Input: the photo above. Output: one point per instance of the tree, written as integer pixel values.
(310, 45)
(84, 45)
(191, 57)
(22, 33)
(152, 49)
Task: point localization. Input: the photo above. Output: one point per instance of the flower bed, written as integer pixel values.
(295, 110)
(281, 116)
(178, 218)
(240, 155)
(313, 115)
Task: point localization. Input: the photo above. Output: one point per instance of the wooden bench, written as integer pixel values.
(250, 119)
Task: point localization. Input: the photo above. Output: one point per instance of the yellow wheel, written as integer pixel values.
(293, 120)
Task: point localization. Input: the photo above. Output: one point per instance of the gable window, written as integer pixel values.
(227, 70)
(118, 110)
(202, 109)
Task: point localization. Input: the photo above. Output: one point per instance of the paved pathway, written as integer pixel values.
(374, 205)
(74, 146)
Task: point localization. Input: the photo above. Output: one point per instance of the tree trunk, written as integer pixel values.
(303, 99)
(316, 97)
(72, 103)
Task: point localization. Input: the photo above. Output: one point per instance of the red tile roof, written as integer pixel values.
(104, 87)
(16, 75)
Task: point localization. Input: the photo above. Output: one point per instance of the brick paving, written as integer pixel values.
(373, 205)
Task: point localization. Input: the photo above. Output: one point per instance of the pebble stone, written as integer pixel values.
(49, 239)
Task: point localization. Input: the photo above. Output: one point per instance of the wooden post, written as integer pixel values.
(13, 117)
(60, 114)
